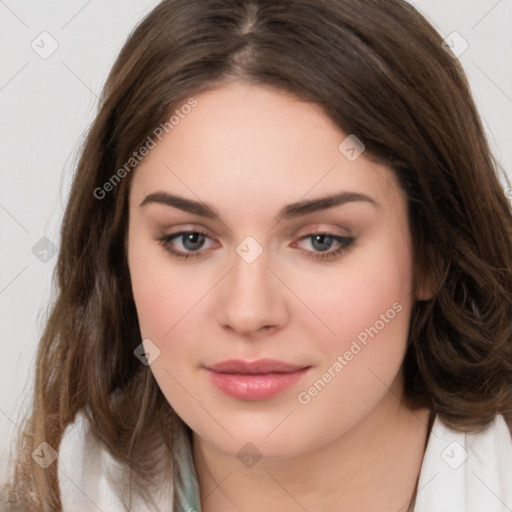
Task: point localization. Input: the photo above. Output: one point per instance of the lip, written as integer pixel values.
(254, 367)
(257, 380)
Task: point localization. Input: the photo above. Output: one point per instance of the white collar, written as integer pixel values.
(466, 472)
(459, 473)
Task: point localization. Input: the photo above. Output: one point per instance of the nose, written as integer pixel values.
(252, 300)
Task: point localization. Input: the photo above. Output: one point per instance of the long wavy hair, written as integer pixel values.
(375, 68)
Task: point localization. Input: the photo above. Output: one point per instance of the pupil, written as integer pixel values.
(322, 238)
(194, 242)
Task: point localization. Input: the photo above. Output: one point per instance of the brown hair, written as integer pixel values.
(378, 70)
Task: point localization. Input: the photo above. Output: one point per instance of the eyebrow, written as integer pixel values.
(289, 211)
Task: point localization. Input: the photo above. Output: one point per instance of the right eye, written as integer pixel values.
(191, 242)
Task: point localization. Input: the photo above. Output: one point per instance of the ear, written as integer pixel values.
(424, 285)
(424, 291)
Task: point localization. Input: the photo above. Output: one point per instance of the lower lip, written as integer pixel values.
(255, 387)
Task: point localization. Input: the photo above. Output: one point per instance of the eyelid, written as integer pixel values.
(186, 228)
(324, 229)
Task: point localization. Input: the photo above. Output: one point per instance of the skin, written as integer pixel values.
(247, 151)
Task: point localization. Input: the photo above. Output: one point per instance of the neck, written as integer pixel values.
(374, 465)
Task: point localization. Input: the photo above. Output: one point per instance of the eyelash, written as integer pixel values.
(345, 243)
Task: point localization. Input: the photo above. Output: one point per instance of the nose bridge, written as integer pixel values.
(249, 282)
(251, 298)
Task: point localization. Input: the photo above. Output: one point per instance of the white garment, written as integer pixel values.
(466, 472)
(460, 473)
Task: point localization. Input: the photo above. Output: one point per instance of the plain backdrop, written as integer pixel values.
(48, 100)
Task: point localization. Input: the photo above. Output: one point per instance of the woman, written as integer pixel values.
(303, 187)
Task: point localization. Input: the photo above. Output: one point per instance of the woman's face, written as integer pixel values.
(255, 282)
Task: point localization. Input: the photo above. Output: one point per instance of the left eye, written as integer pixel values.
(321, 242)
(193, 241)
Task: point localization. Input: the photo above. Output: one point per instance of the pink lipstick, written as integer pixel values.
(256, 380)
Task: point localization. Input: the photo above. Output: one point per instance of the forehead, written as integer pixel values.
(244, 145)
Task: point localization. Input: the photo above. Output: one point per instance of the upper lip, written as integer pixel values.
(255, 367)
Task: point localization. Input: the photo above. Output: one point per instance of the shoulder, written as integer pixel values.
(466, 472)
(90, 479)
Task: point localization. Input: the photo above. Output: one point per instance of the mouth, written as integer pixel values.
(258, 380)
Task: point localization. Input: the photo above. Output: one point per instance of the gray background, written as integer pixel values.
(47, 104)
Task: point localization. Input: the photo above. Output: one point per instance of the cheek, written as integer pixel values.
(161, 292)
(165, 300)
(351, 297)
(366, 302)
(157, 304)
